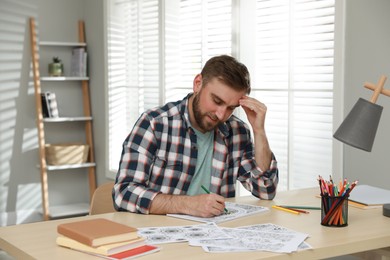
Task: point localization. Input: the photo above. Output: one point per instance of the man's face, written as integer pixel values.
(213, 104)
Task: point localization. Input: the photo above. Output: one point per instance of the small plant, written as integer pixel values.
(56, 60)
(56, 68)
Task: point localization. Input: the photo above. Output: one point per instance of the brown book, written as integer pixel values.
(97, 232)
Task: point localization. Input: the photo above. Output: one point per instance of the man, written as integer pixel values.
(176, 149)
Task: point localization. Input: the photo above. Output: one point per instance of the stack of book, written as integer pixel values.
(49, 104)
(79, 63)
(103, 238)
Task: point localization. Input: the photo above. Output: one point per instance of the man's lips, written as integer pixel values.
(213, 117)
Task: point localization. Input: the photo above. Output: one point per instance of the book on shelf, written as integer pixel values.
(49, 104)
(129, 254)
(97, 232)
(79, 62)
(108, 249)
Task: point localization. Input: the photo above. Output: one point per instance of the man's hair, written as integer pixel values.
(227, 70)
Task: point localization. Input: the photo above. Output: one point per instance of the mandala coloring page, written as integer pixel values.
(235, 211)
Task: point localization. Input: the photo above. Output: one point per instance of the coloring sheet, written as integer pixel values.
(174, 234)
(235, 211)
(211, 249)
(275, 228)
(260, 237)
(256, 240)
(266, 237)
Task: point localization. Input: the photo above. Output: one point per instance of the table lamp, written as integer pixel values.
(359, 127)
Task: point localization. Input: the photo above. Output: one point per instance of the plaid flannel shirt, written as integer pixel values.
(159, 156)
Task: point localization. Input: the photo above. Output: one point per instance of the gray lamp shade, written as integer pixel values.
(359, 127)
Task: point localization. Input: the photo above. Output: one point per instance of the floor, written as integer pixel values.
(5, 256)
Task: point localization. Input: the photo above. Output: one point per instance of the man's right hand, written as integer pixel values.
(204, 205)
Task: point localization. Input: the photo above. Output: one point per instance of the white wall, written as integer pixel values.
(367, 57)
(95, 29)
(20, 188)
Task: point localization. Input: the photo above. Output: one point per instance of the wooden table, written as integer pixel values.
(367, 230)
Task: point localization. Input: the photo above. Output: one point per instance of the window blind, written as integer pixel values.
(203, 29)
(294, 75)
(157, 47)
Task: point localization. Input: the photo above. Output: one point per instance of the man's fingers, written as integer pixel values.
(214, 205)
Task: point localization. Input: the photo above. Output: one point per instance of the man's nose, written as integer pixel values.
(220, 113)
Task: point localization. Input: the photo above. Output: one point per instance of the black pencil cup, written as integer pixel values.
(334, 211)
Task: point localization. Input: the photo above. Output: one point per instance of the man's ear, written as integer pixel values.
(197, 85)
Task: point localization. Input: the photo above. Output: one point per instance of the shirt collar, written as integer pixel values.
(222, 128)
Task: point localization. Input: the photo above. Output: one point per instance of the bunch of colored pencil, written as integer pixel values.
(334, 201)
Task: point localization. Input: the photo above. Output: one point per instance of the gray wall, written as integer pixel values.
(367, 57)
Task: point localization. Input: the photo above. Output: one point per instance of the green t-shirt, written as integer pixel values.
(202, 174)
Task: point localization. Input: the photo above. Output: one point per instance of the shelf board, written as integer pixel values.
(69, 210)
(69, 166)
(66, 119)
(48, 78)
(64, 44)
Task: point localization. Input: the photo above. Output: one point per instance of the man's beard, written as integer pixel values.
(200, 118)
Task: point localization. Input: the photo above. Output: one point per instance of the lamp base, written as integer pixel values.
(386, 210)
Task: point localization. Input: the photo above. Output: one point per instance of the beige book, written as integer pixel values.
(108, 249)
(97, 232)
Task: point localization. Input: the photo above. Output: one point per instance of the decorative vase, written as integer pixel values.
(56, 68)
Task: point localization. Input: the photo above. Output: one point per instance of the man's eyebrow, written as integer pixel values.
(217, 97)
(222, 101)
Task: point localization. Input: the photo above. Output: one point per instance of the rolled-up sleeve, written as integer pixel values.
(262, 184)
(131, 192)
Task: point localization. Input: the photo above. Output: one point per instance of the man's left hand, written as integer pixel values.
(255, 112)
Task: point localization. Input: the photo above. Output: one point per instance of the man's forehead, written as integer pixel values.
(230, 98)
